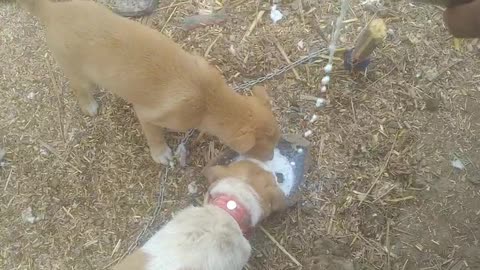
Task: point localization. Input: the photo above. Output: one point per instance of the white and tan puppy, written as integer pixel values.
(214, 236)
(168, 87)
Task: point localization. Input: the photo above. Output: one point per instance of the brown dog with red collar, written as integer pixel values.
(462, 18)
(168, 87)
(214, 236)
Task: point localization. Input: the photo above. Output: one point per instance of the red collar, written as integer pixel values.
(236, 210)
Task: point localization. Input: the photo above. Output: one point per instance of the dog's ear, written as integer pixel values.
(261, 93)
(278, 201)
(243, 143)
(214, 173)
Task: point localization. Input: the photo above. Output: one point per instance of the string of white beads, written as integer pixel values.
(322, 101)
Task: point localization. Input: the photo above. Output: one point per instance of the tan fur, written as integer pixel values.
(135, 261)
(168, 87)
(207, 237)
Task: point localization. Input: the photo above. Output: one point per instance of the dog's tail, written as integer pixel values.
(36, 7)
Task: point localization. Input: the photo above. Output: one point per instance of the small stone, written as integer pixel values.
(43, 152)
(28, 217)
(275, 14)
(192, 188)
(458, 164)
(320, 102)
(300, 45)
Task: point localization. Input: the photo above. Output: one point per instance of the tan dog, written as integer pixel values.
(213, 237)
(168, 87)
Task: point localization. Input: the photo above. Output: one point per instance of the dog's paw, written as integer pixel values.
(163, 157)
(91, 108)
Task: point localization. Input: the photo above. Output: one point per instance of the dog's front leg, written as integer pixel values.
(160, 151)
(82, 88)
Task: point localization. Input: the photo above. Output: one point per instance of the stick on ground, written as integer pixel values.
(368, 40)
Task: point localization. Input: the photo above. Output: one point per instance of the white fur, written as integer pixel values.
(245, 194)
(281, 164)
(198, 238)
(205, 237)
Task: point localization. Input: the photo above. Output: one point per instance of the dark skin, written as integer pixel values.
(462, 18)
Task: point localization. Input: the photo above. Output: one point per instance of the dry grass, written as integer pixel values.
(380, 148)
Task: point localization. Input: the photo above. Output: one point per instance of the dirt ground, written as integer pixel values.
(381, 192)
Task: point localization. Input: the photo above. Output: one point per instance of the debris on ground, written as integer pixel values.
(192, 188)
(275, 14)
(2, 154)
(29, 217)
(181, 154)
(202, 20)
(458, 164)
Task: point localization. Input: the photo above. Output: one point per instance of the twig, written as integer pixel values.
(401, 199)
(302, 15)
(115, 249)
(53, 151)
(381, 171)
(8, 179)
(320, 150)
(387, 243)
(384, 194)
(31, 119)
(285, 56)
(209, 48)
(330, 224)
(59, 99)
(280, 246)
(169, 17)
(377, 246)
(253, 25)
(353, 111)
(68, 212)
(319, 29)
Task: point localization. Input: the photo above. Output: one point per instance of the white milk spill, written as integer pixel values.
(280, 164)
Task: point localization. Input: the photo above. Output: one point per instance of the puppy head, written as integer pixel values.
(260, 138)
(263, 183)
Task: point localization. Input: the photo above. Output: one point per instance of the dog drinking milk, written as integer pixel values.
(167, 86)
(214, 236)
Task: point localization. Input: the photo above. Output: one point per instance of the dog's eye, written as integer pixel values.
(280, 177)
